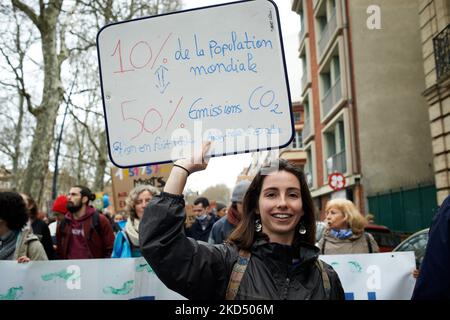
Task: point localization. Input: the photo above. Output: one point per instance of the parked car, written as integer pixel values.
(384, 237)
(417, 242)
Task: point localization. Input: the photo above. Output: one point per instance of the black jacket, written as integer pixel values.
(196, 231)
(198, 270)
(434, 276)
(41, 230)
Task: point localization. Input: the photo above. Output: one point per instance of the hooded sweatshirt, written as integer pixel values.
(78, 247)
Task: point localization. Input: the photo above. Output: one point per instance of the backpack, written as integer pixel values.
(95, 225)
(122, 246)
(241, 265)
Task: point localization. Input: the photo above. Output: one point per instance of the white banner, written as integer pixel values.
(375, 276)
(381, 276)
(96, 279)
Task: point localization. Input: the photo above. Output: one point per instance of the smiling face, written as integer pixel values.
(280, 206)
(335, 219)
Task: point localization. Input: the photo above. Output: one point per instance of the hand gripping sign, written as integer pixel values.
(336, 181)
(171, 82)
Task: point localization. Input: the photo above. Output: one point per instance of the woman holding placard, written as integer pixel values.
(270, 255)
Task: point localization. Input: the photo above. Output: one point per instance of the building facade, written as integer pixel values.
(365, 116)
(435, 36)
(295, 152)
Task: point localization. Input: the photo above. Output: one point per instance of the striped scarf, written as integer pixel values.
(8, 245)
(233, 216)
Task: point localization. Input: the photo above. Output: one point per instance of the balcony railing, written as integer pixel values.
(306, 129)
(327, 32)
(304, 79)
(441, 44)
(331, 97)
(336, 163)
(302, 32)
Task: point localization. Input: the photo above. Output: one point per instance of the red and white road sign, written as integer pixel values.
(336, 181)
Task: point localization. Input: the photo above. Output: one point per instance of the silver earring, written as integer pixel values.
(302, 229)
(258, 225)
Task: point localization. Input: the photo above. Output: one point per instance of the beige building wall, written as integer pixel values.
(394, 134)
(434, 18)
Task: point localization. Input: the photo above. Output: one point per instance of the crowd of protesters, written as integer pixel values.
(244, 250)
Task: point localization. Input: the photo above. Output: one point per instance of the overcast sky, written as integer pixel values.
(226, 169)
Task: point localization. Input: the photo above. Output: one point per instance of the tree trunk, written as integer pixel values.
(17, 148)
(52, 96)
(40, 152)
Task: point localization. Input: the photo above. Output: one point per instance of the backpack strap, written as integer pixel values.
(95, 224)
(323, 245)
(236, 275)
(325, 278)
(62, 225)
(96, 221)
(369, 244)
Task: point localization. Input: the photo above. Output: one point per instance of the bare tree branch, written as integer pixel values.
(7, 150)
(28, 11)
(67, 156)
(21, 84)
(88, 130)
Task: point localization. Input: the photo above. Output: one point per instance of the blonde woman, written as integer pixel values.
(126, 244)
(345, 230)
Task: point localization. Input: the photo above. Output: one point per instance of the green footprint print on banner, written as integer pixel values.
(125, 289)
(63, 274)
(355, 267)
(143, 266)
(13, 293)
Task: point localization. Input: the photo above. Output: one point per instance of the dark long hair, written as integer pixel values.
(13, 210)
(244, 235)
(32, 207)
(86, 192)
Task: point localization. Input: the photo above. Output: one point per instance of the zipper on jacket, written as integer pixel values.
(286, 288)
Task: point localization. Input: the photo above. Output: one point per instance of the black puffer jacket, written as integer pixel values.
(198, 270)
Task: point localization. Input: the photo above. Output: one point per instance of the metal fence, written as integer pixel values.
(405, 210)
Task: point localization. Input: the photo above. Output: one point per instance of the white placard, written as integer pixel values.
(89, 279)
(170, 82)
(375, 276)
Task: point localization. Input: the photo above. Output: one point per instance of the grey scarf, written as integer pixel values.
(7, 245)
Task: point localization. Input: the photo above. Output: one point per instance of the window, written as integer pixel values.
(297, 143)
(308, 168)
(335, 148)
(297, 116)
(336, 67)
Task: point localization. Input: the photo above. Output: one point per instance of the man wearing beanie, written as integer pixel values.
(225, 225)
